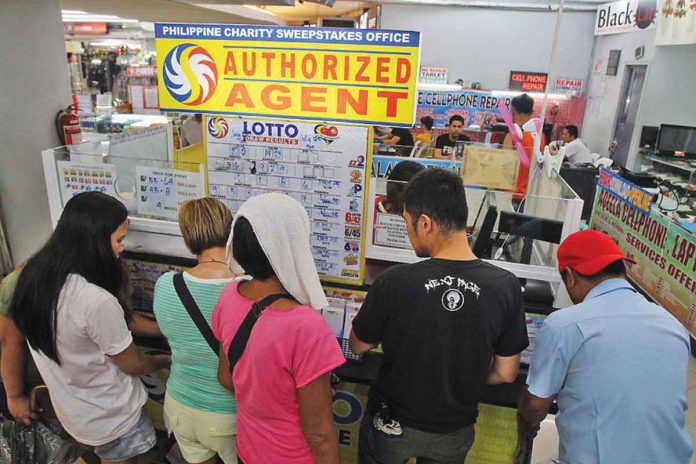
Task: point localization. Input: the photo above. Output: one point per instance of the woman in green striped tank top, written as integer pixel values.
(197, 409)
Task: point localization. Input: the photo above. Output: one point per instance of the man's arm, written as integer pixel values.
(533, 410)
(316, 419)
(394, 140)
(132, 362)
(14, 355)
(223, 374)
(358, 346)
(504, 369)
(144, 327)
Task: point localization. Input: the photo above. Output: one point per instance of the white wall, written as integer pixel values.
(598, 126)
(669, 95)
(34, 85)
(485, 44)
(669, 92)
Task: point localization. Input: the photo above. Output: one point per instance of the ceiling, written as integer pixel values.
(277, 11)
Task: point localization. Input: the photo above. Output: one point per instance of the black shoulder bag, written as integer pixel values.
(195, 312)
(241, 338)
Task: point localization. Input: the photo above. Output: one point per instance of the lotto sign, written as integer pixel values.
(359, 76)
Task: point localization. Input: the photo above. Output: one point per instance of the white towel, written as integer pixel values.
(282, 227)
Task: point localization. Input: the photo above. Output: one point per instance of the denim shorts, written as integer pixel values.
(138, 440)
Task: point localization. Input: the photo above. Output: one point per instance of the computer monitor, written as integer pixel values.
(673, 138)
(483, 227)
(529, 228)
(648, 136)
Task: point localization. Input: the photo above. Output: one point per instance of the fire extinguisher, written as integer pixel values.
(68, 126)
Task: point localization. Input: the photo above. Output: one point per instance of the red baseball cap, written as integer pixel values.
(588, 252)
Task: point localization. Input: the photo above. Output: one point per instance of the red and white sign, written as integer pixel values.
(141, 71)
(528, 81)
(573, 86)
(87, 28)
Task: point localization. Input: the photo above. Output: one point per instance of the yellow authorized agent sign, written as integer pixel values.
(325, 74)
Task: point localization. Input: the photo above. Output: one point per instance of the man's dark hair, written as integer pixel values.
(615, 269)
(402, 173)
(427, 122)
(247, 251)
(439, 194)
(523, 104)
(572, 130)
(456, 117)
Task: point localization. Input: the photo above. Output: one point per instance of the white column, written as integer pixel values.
(34, 85)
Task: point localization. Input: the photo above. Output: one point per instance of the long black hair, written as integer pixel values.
(80, 244)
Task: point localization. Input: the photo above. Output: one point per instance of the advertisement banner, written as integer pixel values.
(628, 192)
(625, 16)
(677, 22)
(382, 165)
(324, 74)
(665, 254)
(475, 106)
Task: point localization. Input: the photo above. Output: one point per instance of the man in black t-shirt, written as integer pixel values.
(447, 325)
(445, 143)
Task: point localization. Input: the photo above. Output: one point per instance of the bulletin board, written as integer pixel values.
(323, 166)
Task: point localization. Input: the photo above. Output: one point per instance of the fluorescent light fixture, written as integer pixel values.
(96, 19)
(73, 12)
(439, 87)
(116, 43)
(531, 94)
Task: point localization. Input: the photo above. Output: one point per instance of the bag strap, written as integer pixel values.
(195, 313)
(241, 338)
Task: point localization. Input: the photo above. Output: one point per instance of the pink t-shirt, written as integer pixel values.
(286, 351)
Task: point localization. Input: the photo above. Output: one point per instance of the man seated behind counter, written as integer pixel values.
(616, 363)
(574, 150)
(447, 325)
(445, 143)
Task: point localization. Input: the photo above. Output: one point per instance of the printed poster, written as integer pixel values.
(323, 166)
(162, 190)
(76, 178)
(665, 253)
(318, 74)
(676, 23)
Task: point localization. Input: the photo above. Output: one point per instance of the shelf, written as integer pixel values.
(674, 163)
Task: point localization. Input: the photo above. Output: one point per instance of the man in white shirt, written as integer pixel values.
(574, 150)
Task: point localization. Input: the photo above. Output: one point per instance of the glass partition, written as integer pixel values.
(149, 188)
(511, 222)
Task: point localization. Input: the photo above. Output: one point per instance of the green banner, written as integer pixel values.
(665, 254)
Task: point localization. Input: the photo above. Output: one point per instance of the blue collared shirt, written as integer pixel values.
(619, 366)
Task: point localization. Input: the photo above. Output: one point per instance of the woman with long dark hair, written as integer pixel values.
(67, 305)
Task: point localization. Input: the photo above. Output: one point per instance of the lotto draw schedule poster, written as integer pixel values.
(323, 166)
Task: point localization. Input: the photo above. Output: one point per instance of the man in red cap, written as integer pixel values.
(615, 363)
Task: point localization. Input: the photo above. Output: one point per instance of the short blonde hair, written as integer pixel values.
(204, 223)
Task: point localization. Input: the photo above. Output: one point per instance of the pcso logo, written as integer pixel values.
(327, 133)
(190, 74)
(218, 127)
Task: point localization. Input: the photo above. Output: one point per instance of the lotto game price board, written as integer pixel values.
(323, 166)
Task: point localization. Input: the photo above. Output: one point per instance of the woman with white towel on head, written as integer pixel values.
(277, 352)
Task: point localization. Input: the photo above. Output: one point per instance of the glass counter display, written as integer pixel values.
(517, 231)
(676, 181)
(136, 169)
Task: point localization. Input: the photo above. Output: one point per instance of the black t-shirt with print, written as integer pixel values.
(405, 136)
(440, 323)
(444, 143)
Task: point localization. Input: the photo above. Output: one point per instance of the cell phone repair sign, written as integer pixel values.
(320, 74)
